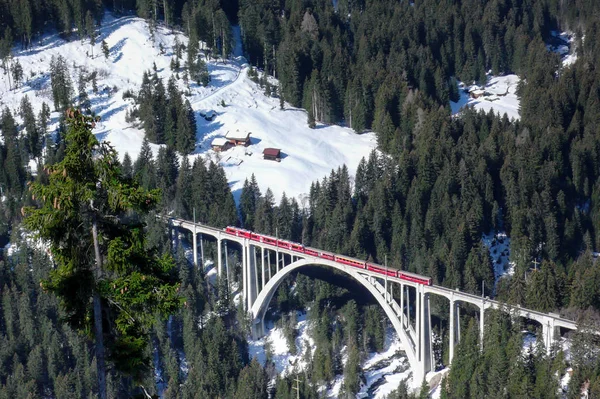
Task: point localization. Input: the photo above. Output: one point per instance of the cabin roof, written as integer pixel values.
(272, 152)
(237, 136)
(219, 142)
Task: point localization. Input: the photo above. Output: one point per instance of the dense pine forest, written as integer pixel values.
(423, 201)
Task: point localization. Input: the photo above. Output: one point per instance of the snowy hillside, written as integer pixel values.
(383, 371)
(307, 154)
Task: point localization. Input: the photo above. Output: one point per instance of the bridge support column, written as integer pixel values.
(407, 306)
(195, 246)
(402, 305)
(255, 289)
(277, 261)
(201, 250)
(424, 353)
(418, 318)
(269, 263)
(219, 256)
(252, 277)
(426, 331)
(548, 331)
(451, 338)
(244, 273)
(457, 323)
(262, 266)
(226, 260)
(258, 327)
(481, 325)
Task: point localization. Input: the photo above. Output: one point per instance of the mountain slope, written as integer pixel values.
(307, 154)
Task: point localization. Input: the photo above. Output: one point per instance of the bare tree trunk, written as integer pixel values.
(9, 72)
(214, 32)
(274, 63)
(100, 362)
(165, 6)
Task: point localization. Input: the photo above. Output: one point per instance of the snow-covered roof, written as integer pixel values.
(219, 142)
(237, 136)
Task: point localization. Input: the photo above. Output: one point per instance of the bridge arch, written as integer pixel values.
(262, 301)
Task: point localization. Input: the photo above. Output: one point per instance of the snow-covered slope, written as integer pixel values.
(563, 43)
(308, 154)
(383, 371)
(499, 94)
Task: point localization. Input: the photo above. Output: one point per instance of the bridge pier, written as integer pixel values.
(262, 266)
(481, 324)
(424, 333)
(226, 261)
(454, 327)
(219, 255)
(402, 305)
(258, 327)
(548, 331)
(251, 274)
(269, 263)
(195, 246)
(244, 274)
(407, 306)
(451, 341)
(201, 250)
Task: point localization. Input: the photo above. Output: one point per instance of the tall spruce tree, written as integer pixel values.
(114, 290)
(34, 144)
(62, 88)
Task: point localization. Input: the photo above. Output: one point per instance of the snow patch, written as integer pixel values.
(499, 94)
(498, 245)
(563, 43)
(285, 362)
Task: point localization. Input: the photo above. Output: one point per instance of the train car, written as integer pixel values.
(415, 278)
(381, 270)
(350, 262)
(269, 240)
(326, 255)
(238, 232)
(256, 237)
(284, 244)
(297, 247)
(310, 252)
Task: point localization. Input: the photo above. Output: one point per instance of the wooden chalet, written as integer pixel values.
(272, 154)
(477, 93)
(237, 138)
(220, 144)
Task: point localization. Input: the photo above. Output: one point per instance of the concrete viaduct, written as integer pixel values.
(261, 279)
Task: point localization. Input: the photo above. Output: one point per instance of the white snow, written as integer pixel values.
(529, 342)
(391, 378)
(500, 94)
(564, 381)
(307, 154)
(499, 246)
(565, 46)
(285, 362)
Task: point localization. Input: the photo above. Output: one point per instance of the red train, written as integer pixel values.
(414, 278)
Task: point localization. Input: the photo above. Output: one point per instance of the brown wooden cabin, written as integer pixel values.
(220, 144)
(477, 93)
(237, 138)
(272, 154)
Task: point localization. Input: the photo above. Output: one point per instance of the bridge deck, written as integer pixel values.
(454, 295)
